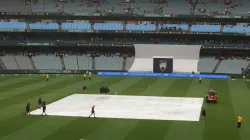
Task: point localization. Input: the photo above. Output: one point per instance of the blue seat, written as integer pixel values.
(76, 26)
(44, 26)
(177, 26)
(108, 26)
(140, 27)
(13, 25)
(205, 28)
(236, 29)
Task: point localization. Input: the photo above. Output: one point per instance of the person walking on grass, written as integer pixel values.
(203, 113)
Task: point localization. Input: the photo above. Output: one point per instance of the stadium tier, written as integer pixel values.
(147, 26)
(205, 7)
(185, 59)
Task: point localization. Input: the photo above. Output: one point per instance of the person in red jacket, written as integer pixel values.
(92, 111)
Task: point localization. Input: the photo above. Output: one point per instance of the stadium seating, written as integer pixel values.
(236, 29)
(206, 64)
(70, 62)
(44, 26)
(13, 25)
(76, 26)
(49, 61)
(108, 63)
(129, 62)
(84, 62)
(205, 28)
(232, 66)
(139, 7)
(140, 27)
(108, 26)
(10, 62)
(177, 26)
(23, 62)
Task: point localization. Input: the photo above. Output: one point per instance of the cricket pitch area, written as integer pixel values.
(127, 107)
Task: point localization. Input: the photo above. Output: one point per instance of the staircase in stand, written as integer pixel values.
(2, 66)
(93, 64)
(28, 27)
(60, 28)
(16, 62)
(124, 60)
(216, 66)
(221, 28)
(62, 62)
(246, 69)
(92, 27)
(32, 63)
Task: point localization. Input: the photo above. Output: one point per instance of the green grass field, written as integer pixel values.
(220, 124)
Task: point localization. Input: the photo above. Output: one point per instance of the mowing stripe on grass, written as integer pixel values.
(24, 88)
(107, 81)
(179, 88)
(5, 79)
(40, 129)
(115, 129)
(19, 122)
(124, 84)
(148, 130)
(15, 83)
(36, 92)
(158, 87)
(221, 119)
(239, 91)
(79, 128)
(140, 86)
(67, 90)
(189, 130)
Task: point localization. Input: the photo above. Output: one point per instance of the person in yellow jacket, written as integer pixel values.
(239, 120)
(47, 77)
(84, 76)
(90, 76)
(200, 79)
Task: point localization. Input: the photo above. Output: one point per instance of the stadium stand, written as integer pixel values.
(84, 62)
(44, 26)
(71, 62)
(232, 66)
(49, 61)
(205, 28)
(236, 29)
(206, 64)
(10, 62)
(129, 62)
(140, 27)
(23, 62)
(108, 26)
(116, 26)
(76, 26)
(204, 7)
(108, 63)
(13, 25)
(176, 26)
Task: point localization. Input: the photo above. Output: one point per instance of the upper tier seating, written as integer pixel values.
(232, 66)
(236, 29)
(49, 61)
(177, 26)
(76, 26)
(44, 26)
(108, 26)
(205, 28)
(140, 27)
(13, 25)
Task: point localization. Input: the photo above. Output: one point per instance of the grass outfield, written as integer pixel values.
(16, 91)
